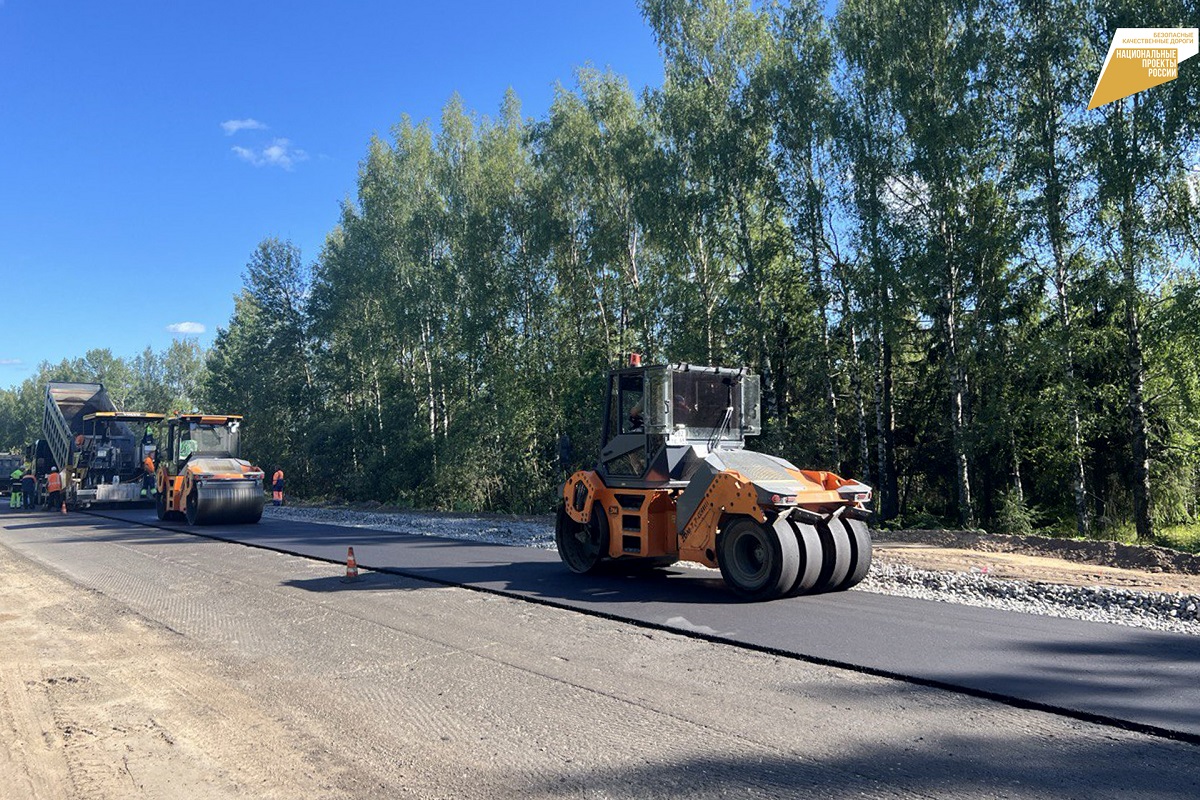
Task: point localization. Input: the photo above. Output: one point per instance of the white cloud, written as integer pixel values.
(279, 153)
(232, 126)
(186, 328)
(10, 362)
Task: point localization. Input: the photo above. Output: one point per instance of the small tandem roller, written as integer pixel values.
(200, 475)
(675, 482)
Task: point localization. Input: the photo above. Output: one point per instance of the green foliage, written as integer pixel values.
(260, 366)
(1179, 537)
(1013, 515)
(910, 244)
(154, 382)
(958, 284)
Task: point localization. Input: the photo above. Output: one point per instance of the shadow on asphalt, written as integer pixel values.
(932, 765)
(48, 520)
(546, 580)
(532, 572)
(367, 581)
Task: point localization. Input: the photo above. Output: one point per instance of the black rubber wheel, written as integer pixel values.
(757, 561)
(835, 556)
(860, 551)
(811, 555)
(581, 546)
(192, 509)
(160, 506)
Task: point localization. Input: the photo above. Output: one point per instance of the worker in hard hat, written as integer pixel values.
(54, 490)
(277, 488)
(28, 489)
(14, 488)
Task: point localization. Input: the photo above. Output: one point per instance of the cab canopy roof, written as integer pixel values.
(206, 419)
(124, 416)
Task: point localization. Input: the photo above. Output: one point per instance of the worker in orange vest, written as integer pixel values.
(148, 478)
(277, 488)
(54, 492)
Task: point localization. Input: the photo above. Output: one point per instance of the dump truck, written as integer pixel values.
(99, 449)
(200, 475)
(675, 482)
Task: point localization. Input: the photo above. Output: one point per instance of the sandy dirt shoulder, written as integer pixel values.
(1026, 566)
(96, 701)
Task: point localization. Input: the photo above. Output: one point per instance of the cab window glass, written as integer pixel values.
(612, 425)
(701, 400)
(633, 410)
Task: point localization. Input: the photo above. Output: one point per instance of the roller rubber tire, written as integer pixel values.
(860, 549)
(160, 506)
(835, 556)
(581, 547)
(192, 510)
(758, 561)
(811, 555)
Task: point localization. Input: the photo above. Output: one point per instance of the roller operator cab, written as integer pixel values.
(675, 482)
(201, 476)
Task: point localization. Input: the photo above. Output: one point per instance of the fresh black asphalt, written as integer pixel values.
(1134, 678)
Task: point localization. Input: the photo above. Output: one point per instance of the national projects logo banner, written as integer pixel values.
(1140, 58)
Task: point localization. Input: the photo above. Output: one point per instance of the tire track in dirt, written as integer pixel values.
(31, 759)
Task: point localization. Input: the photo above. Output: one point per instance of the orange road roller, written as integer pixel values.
(675, 482)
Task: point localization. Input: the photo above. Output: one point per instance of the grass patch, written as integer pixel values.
(1185, 538)
(1179, 537)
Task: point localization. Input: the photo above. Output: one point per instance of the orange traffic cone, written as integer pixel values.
(64, 508)
(351, 565)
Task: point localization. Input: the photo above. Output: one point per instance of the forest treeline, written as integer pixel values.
(170, 380)
(957, 283)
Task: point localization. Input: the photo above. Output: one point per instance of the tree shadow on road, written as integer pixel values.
(929, 765)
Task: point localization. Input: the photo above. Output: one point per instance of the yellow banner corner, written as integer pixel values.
(1141, 58)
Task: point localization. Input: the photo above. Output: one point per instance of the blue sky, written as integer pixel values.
(146, 147)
